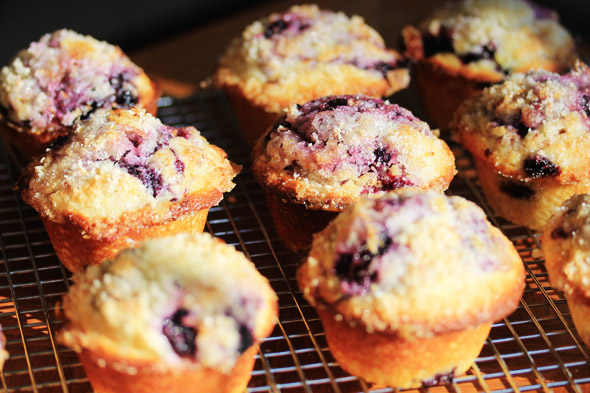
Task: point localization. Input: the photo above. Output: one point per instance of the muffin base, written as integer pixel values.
(441, 92)
(580, 310)
(535, 203)
(76, 250)
(405, 362)
(295, 223)
(26, 144)
(253, 119)
(106, 377)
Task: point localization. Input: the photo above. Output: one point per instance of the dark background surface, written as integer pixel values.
(131, 24)
(136, 25)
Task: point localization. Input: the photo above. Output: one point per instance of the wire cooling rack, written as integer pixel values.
(535, 349)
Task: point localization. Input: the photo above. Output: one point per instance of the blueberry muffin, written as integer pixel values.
(529, 138)
(566, 245)
(178, 314)
(302, 54)
(464, 46)
(320, 157)
(120, 177)
(407, 285)
(60, 78)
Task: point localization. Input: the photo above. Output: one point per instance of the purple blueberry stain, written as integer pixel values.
(333, 103)
(309, 128)
(275, 28)
(517, 190)
(125, 98)
(539, 166)
(442, 42)
(181, 337)
(135, 139)
(521, 129)
(355, 271)
(288, 22)
(178, 164)
(390, 183)
(133, 161)
(184, 132)
(516, 123)
(150, 178)
(384, 160)
(382, 155)
(246, 338)
(123, 95)
(354, 104)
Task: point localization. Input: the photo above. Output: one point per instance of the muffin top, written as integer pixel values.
(413, 262)
(126, 167)
(533, 125)
(304, 53)
(486, 39)
(566, 243)
(329, 151)
(184, 301)
(65, 76)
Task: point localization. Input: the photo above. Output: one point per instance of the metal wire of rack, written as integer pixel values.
(535, 349)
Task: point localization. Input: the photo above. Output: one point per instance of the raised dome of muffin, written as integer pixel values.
(329, 151)
(123, 166)
(488, 38)
(533, 125)
(65, 76)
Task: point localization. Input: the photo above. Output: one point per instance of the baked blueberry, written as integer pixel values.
(181, 337)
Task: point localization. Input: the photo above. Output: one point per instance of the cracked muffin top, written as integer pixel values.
(566, 244)
(328, 152)
(65, 76)
(418, 259)
(533, 125)
(184, 301)
(126, 166)
(487, 39)
(304, 53)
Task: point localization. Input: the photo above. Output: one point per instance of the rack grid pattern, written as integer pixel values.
(535, 349)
